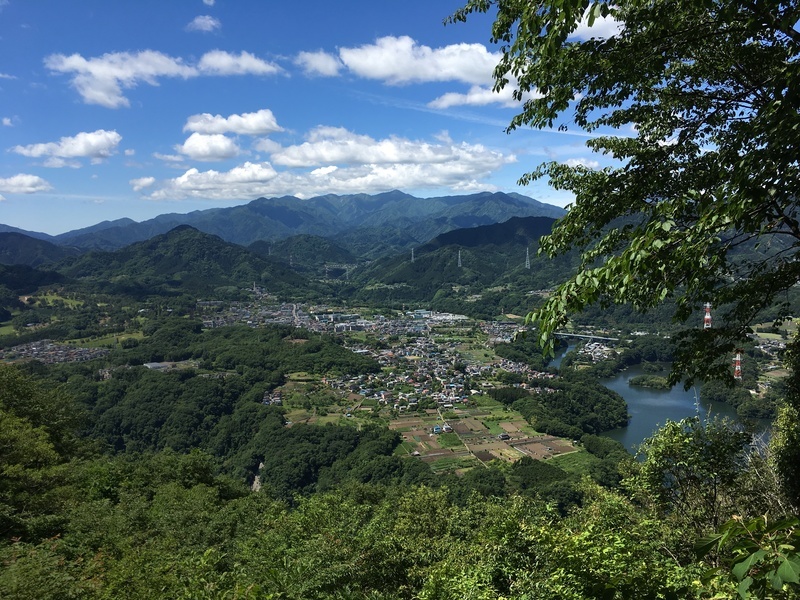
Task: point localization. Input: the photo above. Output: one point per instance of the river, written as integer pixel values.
(651, 408)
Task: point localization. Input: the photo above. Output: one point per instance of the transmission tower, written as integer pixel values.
(737, 364)
(707, 317)
(412, 255)
(459, 258)
(527, 258)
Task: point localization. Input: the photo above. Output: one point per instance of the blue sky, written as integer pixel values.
(133, 108)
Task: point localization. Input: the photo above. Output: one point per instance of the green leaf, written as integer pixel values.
(705, 544)
(789, 569)
(744, 587)
(741, 569)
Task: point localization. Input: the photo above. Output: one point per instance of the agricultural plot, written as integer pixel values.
(473, 436)
(545, 447)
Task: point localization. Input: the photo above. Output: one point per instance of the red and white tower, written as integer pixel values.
(737, 365)
(707, 318)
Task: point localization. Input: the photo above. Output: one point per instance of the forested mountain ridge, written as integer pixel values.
(21, 249)
(184, 260)
(304, 252)
(330, 215)
(491, 256)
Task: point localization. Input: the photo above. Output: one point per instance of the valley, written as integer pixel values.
(302, 385)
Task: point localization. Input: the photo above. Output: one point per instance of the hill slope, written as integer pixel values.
(491, 256)
(21, 249)
(184, 260)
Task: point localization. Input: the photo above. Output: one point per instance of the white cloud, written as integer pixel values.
(200, 146)
(266, 145)
(336, 145)
(56, 162)
(168, 157)
(318, 63)
(219, 62)
(602, 28)
(141, 183)
(204, 23)
(334, 160)
(262, 122)
(6, 76)
(130, 152)
(100, 80)
(24, 184)
(481, 96)
(215, 184)
(400, 60)
(208, 2)
(8, 122)
(582, 162)
(324, 171)
(96, 145)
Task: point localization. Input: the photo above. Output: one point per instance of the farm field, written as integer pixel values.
(471, 439)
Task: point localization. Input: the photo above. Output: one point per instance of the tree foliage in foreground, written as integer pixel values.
(698, 104)
(75, 523)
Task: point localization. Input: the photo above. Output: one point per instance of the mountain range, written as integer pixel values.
(364, 225)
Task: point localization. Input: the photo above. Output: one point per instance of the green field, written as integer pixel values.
(48, 299)
(579, 462)
(108, 341)
(449, 440)
(493, 426)
(452, 463)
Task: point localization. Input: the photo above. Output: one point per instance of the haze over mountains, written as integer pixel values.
(365, 225)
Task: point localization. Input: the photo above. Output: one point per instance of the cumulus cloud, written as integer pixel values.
(24, 184)
(336, 145)
(8, 122)
(266, 145)
(318, 63)
(215, 184)
(204, 23)
(96, 145)
(142, 183)
(582, 162)
(262, 122)
(334, 160)
(202, 147)
(602, 28)
(208, 2)
(400, 60)
(219, 62)
(6, 76)
(101, 80)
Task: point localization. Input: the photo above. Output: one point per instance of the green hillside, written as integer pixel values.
(184, 260)
(20, 249)
(491, 256)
